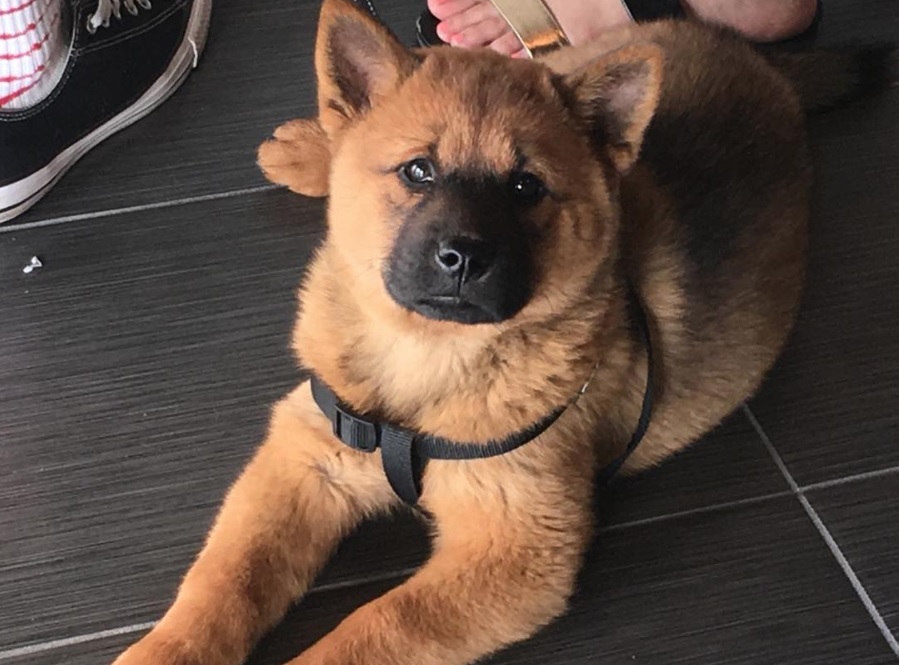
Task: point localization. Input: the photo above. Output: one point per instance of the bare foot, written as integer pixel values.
(475, 23)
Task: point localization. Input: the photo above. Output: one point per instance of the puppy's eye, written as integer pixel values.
(527, 188)
(417, 173)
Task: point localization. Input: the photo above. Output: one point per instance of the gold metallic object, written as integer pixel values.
(534, 24)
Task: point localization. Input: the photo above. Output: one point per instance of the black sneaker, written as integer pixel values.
(126, 58)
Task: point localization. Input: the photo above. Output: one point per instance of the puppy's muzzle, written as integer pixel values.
(462, 278)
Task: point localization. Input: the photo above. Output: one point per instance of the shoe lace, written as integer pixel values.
(108, 8)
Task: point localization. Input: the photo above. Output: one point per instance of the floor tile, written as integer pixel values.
(858, 21)
(862, 517)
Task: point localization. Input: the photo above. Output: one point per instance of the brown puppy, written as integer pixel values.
(487, 222)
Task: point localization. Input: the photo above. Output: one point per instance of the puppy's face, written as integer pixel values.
(470, 188)
(465, 190)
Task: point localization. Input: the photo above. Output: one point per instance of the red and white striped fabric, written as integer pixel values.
(32, 50)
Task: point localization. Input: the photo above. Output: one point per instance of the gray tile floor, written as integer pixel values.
(138, 367)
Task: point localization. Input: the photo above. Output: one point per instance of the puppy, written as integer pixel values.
(531, 267)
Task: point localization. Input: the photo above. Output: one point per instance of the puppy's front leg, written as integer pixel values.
(499, 572)
(282, 518)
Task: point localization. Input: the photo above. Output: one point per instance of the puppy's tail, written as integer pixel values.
(833, 77)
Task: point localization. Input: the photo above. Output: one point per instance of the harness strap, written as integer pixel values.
(405, 453)
(608, 472)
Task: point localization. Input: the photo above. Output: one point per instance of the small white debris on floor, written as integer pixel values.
(33, 264)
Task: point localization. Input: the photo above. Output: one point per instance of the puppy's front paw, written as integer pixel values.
(298, 157)
(158, 649)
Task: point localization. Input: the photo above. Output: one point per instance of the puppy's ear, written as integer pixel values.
(357, 61)
(616, 95)
(299, 157)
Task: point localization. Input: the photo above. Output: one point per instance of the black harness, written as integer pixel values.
(405, 453)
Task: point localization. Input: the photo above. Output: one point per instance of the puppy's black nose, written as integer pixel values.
(464, 258)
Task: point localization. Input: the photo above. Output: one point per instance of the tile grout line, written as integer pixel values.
(54, 221)
(845, 480)
(715, 507)
(41, 647)
(826, 535)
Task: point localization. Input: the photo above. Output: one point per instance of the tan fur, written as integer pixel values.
(510, 531)
(298, 157)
